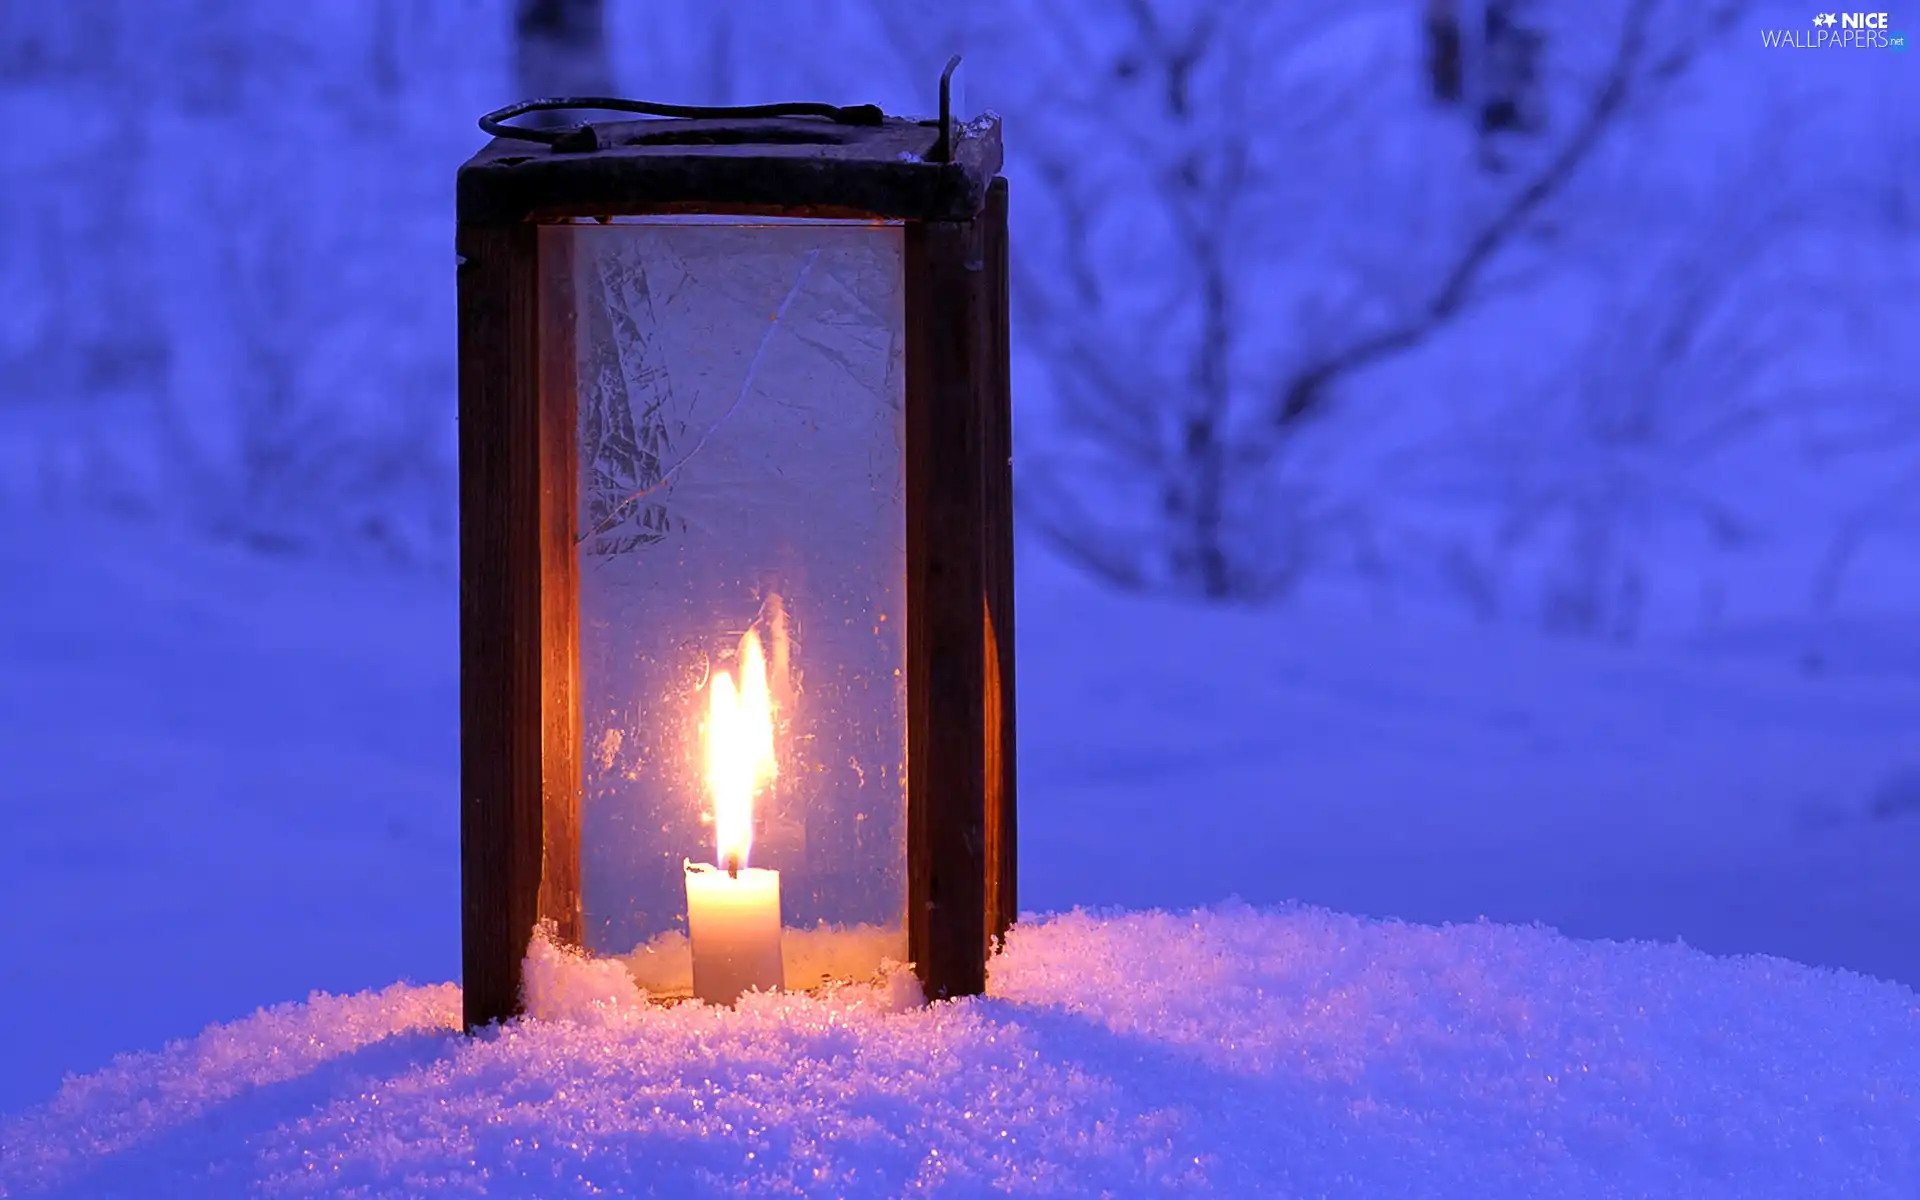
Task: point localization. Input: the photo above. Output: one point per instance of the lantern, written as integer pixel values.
(736, 591)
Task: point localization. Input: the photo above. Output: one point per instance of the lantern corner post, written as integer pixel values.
(519, 777)
(1001, 745)
(959, 599)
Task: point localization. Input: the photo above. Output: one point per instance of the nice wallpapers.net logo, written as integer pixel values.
(1838, 31)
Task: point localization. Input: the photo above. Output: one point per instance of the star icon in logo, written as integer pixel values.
(1826, 19)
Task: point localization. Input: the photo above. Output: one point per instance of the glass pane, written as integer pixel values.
(741, 397)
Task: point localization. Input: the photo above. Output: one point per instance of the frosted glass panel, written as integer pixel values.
(740, 469)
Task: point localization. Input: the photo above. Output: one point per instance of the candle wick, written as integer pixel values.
(733, 866)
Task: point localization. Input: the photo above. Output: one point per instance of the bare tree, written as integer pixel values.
(1512, 99)
(86, 326)
(1445, 69)
(280, 394)
(1877, 440)
(384, 34)
(1684, 368)
(1231, 222)
(1887, 514)
(560, 48)
(1149, 166)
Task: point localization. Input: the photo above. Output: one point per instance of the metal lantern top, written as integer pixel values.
(792, 159)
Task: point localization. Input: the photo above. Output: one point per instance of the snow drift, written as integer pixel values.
(1221, 1052)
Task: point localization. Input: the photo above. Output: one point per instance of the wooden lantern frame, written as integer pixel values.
(520, 756)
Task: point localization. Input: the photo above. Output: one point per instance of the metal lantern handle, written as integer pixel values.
(495, 122)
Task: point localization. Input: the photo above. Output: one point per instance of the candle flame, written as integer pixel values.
(739, 750)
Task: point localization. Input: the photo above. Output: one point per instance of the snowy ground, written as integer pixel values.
(1718, 790)
(1235, 1053)
(226, 782)
(229, 780)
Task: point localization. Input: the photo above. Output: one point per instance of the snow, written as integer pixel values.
(810, 955)
(1231, 1052)
(226, 781)
(1717, 787)
(563, 983)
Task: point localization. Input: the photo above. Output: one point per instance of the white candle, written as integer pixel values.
(733, 914)
(733, 922)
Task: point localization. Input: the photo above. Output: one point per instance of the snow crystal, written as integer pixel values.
(809, 956)
(559, 983)
(1229, 1052)
(181, 1105)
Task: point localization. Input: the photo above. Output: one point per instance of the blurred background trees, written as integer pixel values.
(560, 48)
(1582, 315)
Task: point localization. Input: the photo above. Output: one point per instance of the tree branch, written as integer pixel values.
(1305, 393)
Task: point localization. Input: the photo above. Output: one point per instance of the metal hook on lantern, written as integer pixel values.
(943, 145)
